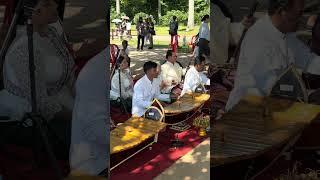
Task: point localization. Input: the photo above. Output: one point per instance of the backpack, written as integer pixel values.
(172, 27)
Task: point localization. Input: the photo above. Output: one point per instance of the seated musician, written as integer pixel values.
(225, 33)
(195, 76)
(126, 83)
(146, 89)
(54, 65)
(89, 136)
(171, 72)
(268, 49)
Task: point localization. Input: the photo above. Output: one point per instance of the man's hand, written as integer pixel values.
(248, 21)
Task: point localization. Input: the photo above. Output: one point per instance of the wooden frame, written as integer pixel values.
(155, 139)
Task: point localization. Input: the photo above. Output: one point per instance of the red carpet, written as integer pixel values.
(150, 163)
(17, 165)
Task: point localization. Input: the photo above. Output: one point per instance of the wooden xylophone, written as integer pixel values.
(257, 125)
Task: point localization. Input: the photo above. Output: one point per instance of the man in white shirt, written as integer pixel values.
(269, 48)
(146, 89)
(89, 150)
(171, 72)
(195, 76)
(204, 37)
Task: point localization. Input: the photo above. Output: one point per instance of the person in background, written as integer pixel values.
(141, 32)
(147, 34)
(146, 89)
(195, 76)
(152, 32)
(125, 49)
(204, 37)
(173, 29)
(128, 26)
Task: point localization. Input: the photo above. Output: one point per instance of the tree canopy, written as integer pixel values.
(150, 7)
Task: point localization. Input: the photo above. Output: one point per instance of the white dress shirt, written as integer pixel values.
(224, 34)
(265, 54)
(126, 86)
(89, 150)
(193, 79)
(143, 94)
(204, 31)
(171, 72)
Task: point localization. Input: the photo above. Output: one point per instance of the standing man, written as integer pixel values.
(141, 32)
(152, 32)
(204, 37)
(173, 28)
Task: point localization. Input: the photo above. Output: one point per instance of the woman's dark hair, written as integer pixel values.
(205, 17)
(149, 65)
(198, 60)
(226, 12)
(140, 19)
(169, 53)
(174, 17)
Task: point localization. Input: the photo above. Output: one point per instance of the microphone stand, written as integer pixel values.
(35, 116)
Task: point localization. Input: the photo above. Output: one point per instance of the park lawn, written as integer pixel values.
(164, 30)
(156, 44)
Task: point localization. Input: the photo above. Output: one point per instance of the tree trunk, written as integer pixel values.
(159, 10)
(191, 15)
(118, 6)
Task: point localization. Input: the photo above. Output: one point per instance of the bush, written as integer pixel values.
(143, 15)
(181, 16)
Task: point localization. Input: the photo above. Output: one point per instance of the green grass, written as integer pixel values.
(164, 30)
(156, 44)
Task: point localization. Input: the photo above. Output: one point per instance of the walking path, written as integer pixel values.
(195, 165)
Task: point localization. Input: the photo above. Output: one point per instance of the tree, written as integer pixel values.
(159, 10)
(118, 6)
(191, 15)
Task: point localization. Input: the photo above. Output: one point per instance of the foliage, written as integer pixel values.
(150, 7)
(143, 15)
(181, 16)
(113, 14)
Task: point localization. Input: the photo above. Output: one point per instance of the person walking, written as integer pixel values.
(173, 29)
(141, 30)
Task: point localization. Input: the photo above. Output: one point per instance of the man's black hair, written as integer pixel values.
(199, 60)
(174, 17)
(149, 65)
(205, 17)
(169, 53)
(274, 5)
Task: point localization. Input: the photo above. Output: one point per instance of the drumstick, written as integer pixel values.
(235, 55)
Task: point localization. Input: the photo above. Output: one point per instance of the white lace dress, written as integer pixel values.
(54, 76)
